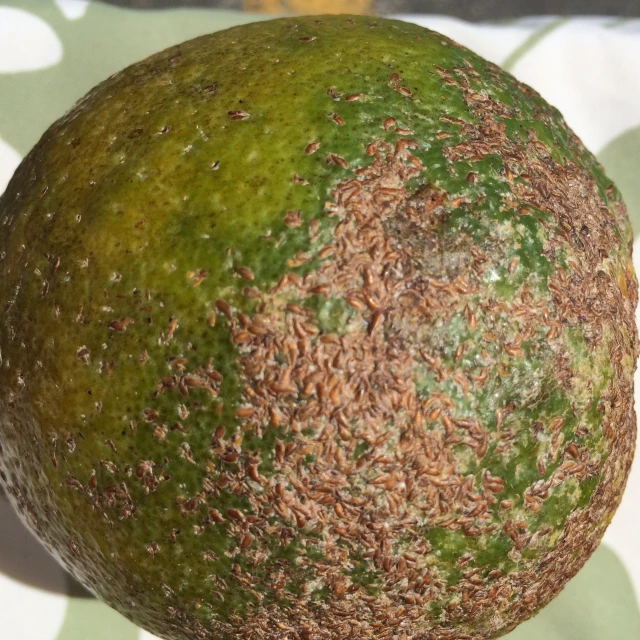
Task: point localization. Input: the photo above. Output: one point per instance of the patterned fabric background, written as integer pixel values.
(53, 51)
(467, 9)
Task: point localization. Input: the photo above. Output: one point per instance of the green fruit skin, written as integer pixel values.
(149, 179)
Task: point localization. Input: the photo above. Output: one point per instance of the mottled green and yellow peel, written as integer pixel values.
(316, 328)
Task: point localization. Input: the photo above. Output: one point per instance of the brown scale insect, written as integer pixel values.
(120, 325)
(333, 94)
(109, 466)
(297, 179)
(333, 158)
(245, 273)
(197, 276)
(388, 123)
(312, 147)
(223, 307)
(238, 115)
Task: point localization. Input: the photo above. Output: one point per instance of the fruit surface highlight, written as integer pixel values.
(316, 328)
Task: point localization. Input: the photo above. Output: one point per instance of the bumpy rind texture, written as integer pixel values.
(316, 328)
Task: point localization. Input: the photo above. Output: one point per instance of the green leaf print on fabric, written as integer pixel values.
(532, 41)
(621, 159)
